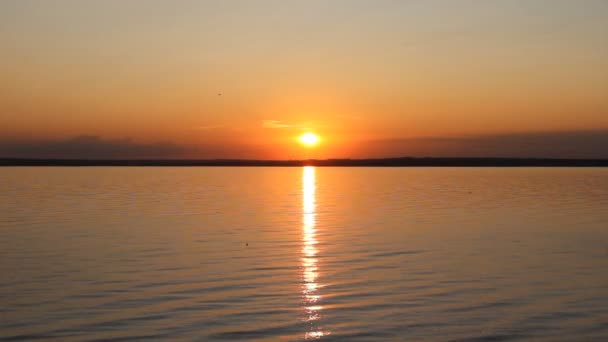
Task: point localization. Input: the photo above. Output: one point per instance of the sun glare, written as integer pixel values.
(309, 139)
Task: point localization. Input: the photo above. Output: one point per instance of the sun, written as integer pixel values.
(309, 139)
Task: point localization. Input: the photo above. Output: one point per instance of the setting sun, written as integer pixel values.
(309, 139)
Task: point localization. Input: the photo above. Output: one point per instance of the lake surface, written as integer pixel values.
(433, 254)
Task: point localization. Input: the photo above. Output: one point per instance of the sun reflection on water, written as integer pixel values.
(309, 255)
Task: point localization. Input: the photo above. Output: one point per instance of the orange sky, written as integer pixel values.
(352, 71)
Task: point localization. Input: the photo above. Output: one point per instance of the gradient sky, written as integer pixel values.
(374, 78)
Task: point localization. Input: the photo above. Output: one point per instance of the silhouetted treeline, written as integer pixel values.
(406, 161)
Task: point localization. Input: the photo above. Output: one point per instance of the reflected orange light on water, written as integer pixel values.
(309, 253)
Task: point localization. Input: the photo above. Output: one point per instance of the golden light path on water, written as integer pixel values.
(309, 254)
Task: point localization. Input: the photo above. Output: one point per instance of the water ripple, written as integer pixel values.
(357, 254)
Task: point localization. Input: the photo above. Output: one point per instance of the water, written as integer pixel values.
(433, 254)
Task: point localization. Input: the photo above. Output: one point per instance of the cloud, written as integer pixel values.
(94, 147)
(278, 124)
(574, 144)
(90, 147)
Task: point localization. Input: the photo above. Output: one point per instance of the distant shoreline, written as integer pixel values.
(381, 162)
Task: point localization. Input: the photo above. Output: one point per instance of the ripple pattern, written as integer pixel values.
(348, 254)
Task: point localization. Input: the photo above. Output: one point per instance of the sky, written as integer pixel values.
(242, 79)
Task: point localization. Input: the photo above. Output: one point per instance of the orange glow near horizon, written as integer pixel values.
(423, 80)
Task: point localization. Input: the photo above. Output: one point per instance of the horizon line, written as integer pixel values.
(390, 161)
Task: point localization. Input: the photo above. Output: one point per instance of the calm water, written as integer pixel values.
(289, 253)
